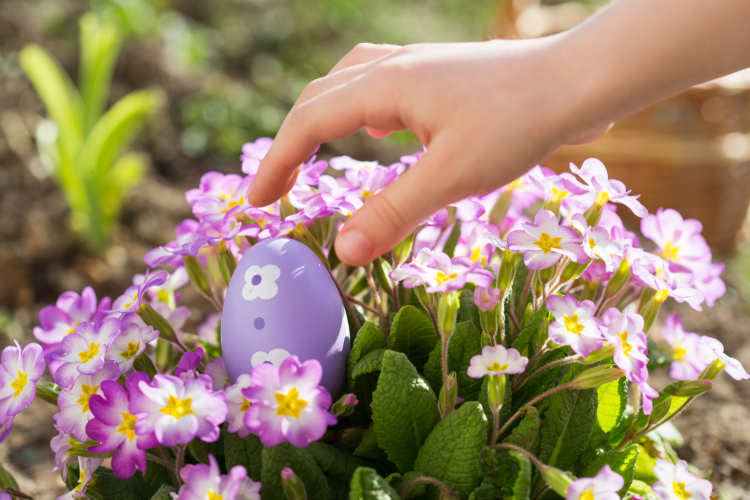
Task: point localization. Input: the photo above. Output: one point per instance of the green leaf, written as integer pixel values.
(522, 484)
(400, 483)
(467, 310)
(621, 461)
(367, 484)
(163, 493)
(100, 46)
(116, 129)
(675, 406)
(334, 461)
(527, 434)
(451, 450)
(413, 334)
(60, 98)
(404, 410)
(465, 343)
(368, 338)
(568, 420)
(243, 451)
(136, 487)
(368, 447)
(541, 383)
(528, 331)
(613, 398)
(301, 462)
(369, 363)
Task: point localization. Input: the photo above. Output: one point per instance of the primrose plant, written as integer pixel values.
(84, 146)
(502, 351)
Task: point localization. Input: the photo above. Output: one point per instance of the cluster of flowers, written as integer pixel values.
(117, 398)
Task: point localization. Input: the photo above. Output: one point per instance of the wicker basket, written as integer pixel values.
(690, 153)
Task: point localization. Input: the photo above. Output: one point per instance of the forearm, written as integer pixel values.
(637, 52)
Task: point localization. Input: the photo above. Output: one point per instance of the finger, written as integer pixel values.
(364, 53)
(378, 133)
(590, 134)
(333, 115)
(391, 215)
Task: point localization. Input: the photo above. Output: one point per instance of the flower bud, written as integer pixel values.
(507, 272)
(381, 269)
(424, 298)
(558, 480)
(227, 262)
(293, 487)
(650, 305)
(151, 317)
(546, 274)
(712, 371)
(197, 275)
(574, 270)
(345, 405)
(660, 411)
(500, 210)
(144, 364)
(402, 251)
(488, 320)
(693, 388)
(605, 352)
(619, 279)
(447, 312)
(594, 377)
(486, 340)
(496, 389)
(447, 400)
(48, 391)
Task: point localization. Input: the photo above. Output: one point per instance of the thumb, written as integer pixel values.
(392, 214)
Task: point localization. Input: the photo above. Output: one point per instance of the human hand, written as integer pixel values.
(486, 113)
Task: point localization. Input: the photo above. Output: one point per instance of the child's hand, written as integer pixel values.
(486, 112)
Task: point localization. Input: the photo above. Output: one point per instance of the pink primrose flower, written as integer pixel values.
(574, 324)
(544, 242)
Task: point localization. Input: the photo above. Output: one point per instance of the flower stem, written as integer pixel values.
(524, 295)
(447, 491)
(532, 403)
(444, 358)
(179, 460)
(378, 302)
(559, 362)
(495, 426)
(345, 299)
(539, 465)
(160, 461)
(362, 304)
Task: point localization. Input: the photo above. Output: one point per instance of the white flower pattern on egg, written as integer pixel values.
(260, 282)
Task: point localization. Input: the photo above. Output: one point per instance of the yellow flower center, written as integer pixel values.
(477, 257)
(214, 496)
(135, 299)
(602, 199)
(290, 404)
(128, 425)
(546, 243)
(233, 204)
(626, 347)
(366, 194)
(497, 367)
(442, 277)
(246, 404)
(587, 495)
(87, 356)
(19, 384)
(163, 295)
(572, 324)
(679, 490)
(592, 243)
(670, 251)
(661, 296)
(678, 353)
(178, 408)
(558, 195)
(81, 479)
(131, 351)
(86, 393)
(73, 328)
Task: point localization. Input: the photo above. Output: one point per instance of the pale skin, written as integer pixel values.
(489, 111)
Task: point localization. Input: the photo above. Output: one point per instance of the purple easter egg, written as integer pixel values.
(281, 301)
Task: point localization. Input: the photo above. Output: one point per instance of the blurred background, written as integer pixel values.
(192, 80)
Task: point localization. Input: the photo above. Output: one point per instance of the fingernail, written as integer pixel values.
(352, 246)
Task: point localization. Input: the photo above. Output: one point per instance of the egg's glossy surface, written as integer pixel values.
(281, 301)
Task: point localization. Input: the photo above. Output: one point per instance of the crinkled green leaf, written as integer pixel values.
(404, 410)
(399, 482)
(369, 363)
(465, 343)
(527, 434)
(413, 334)
(367, 484)
(543, 382)
(336, 462)
(467, 310)
(613, 398)
(569, 417)
(136, 487)
(621, 461)
(368, 338)
(243, 451)
(676, 404)
(368, 447)
(528, 331)
(522, 484)
(452, 448)
(301, 462)
(163, 493)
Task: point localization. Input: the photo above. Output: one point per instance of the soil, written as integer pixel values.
(40, 258)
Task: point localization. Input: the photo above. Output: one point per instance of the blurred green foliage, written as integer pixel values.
(84, 145)
(256, 56)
